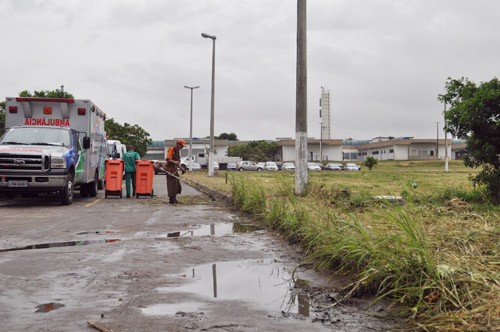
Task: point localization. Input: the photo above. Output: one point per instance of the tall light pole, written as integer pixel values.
(212, 143)
(437, 140)
(445, 142)
(301, 179)
(191, 127)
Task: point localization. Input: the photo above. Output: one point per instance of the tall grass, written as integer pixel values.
(248, 196)
(390, 252)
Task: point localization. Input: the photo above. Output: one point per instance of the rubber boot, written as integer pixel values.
(172, 200)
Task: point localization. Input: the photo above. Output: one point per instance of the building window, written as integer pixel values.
(374, 152)
(391, 150)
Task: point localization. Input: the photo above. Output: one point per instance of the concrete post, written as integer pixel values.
(301, 179)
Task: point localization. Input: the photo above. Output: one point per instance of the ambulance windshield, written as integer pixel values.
(37, 136)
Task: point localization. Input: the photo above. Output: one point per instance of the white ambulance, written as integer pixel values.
(116, 149)
(52, 146)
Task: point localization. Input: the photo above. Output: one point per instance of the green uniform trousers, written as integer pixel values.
(130, 176)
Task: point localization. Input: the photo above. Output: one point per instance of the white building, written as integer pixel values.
(331, 149)
(401, 149)
(200, 147)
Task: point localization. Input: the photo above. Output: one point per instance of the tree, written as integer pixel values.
(57, 93)
(228, 136)
(128, 135)
(255, 150)
(474, 115)
(370, 162)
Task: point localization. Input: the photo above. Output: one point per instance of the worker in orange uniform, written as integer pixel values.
(174, 162)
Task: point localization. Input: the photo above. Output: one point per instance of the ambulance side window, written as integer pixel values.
(77, 141)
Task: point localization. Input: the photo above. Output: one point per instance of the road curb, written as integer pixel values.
(217, 195)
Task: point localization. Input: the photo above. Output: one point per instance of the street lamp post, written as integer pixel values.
(211, 155)
(191, 127)
(437, 140)
(445, 143)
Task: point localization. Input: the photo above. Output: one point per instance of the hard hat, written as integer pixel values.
(181, 141)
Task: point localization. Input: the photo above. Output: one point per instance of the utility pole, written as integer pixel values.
(301, 179)
(212, 101)
(445, 142)
(437, 140)
(191, 127)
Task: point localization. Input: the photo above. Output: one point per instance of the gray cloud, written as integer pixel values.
(384, 61)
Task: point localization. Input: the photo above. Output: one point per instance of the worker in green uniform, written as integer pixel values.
(129, 159)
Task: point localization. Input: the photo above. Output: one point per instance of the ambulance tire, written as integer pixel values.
(67, 192)
(92, 186)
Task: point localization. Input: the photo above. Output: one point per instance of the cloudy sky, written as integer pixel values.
(384, 61)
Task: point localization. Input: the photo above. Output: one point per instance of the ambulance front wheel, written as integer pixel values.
(67, 192)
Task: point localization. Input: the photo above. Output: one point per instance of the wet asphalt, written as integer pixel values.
(141, 264)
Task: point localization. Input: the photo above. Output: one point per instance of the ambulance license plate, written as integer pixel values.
(18, 184)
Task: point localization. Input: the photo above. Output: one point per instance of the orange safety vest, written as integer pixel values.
(172, 154)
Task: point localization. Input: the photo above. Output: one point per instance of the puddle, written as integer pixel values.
(46, 307)
(171, 309)
(60, 244)
(94, 232)
(261, 282)
(217, 229)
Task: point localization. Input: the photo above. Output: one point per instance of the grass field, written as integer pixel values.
(436, 251)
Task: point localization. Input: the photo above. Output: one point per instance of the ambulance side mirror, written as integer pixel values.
(86, 142)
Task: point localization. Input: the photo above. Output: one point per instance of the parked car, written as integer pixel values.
(288, 167)
(247, 165)
(352, 167)
(270, 166)
(279, 164)
(334, 167)
(231, 167)
(262, 164)
(195, 166)
(313, 166)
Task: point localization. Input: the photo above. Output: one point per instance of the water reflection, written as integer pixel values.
(217, 229)
(59, 244)
(46, 307)
(261, 282)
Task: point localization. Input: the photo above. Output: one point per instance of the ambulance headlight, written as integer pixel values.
(57, 162)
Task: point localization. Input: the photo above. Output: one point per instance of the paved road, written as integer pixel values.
(144, 265)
